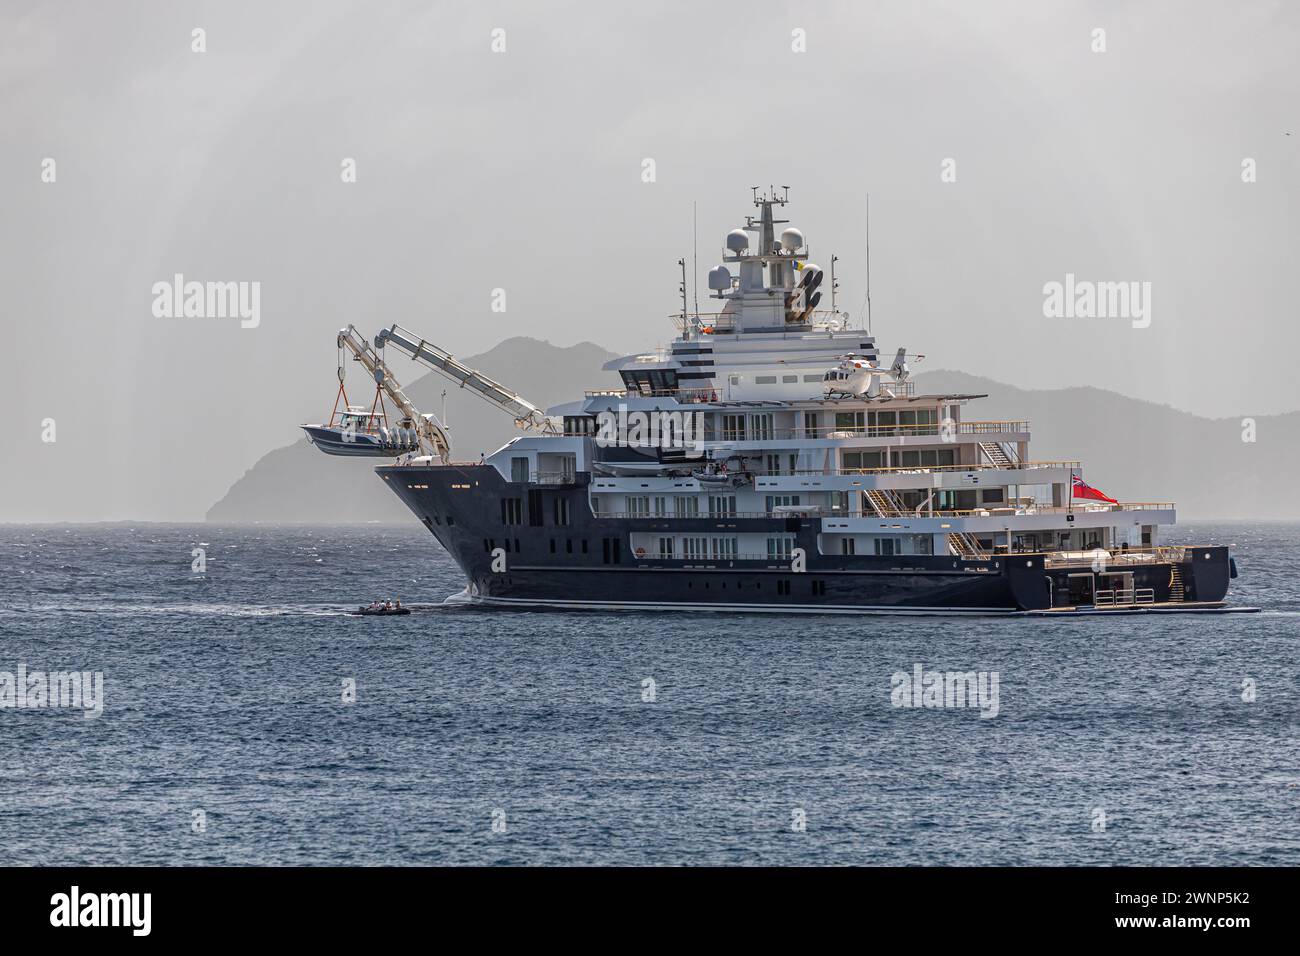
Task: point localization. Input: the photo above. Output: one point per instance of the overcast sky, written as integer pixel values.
(522, 170)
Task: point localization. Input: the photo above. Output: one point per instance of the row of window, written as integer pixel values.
(891, 545)
(785, 379)
(783, 589)
(753, 427)
(712, 548)
(856, 421)
(612, 548)
(512, 510)
(760, 426)
(568, 546)
(701, 548)
(899, 458)
(688, 506)
(681, 506)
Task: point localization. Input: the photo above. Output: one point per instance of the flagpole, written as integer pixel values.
(1069, 509)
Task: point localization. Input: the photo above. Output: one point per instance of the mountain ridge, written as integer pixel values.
(1132, 448)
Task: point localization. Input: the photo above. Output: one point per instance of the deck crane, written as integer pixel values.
(526, 415)
(431, 434)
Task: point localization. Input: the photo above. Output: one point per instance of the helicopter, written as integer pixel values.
(858, 376)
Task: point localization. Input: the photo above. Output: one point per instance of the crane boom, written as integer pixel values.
(426, 426)
(526, 415)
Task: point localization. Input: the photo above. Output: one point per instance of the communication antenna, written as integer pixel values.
(868, 263)
(835, 284)
(682, 289)
(695, 256)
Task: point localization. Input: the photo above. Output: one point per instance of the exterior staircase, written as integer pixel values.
(964, 545)
(884, 503)
(997, 454)
(1177, 593)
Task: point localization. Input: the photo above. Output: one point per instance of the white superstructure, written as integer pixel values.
(802, 418)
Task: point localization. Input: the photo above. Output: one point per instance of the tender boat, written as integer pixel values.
(363, 434)
(380, 611)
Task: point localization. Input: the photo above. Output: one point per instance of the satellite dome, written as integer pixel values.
(719, 278)
(737, 241)
(792, 239)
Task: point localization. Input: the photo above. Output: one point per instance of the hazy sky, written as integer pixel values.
(522, 170)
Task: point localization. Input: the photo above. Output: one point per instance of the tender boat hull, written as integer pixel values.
(332, 441)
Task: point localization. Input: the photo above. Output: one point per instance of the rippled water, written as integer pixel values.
(223, 694)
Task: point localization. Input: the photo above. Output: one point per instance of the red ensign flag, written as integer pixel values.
(1078, 489)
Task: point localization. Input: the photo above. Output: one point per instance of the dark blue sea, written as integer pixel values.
(224, 738)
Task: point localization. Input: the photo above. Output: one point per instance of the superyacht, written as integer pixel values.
(769, 460)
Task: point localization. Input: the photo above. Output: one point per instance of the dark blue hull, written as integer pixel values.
(522, 556)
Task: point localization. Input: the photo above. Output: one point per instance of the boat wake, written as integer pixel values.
(124, 610)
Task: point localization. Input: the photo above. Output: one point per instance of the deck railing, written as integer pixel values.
(1054, 559)
(813, 511)
(553, 478)
(1113, 557)
(720, 323)
(701, 559)
(915, 469)
(707, 395)
(836, 432)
